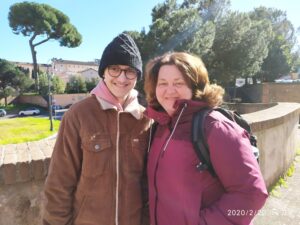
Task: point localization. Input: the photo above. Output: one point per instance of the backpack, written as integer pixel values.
(199, 140)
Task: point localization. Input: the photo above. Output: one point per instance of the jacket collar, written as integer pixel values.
(133, 107)
(163, 118)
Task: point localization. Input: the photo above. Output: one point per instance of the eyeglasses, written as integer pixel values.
(116, 71)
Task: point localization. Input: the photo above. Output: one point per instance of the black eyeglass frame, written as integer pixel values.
(124, 70)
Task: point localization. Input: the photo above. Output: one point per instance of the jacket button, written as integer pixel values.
(97, 147)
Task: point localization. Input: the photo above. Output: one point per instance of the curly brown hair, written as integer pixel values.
(194, 73)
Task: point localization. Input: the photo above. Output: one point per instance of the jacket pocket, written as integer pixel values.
(136, 157)
(97, 154)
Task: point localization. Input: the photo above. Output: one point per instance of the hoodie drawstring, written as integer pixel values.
(174, 128)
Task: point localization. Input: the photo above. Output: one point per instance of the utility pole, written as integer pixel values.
(50, 99)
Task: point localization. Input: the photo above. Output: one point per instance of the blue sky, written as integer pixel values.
(99, 21)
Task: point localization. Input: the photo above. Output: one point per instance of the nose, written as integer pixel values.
(122, 76)
(170, 89)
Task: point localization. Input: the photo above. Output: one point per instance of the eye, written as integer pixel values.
(114, 68)
(161, 84)
(131, 71)
(179, 84)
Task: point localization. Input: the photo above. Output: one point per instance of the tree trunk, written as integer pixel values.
(35, 66)
(254, 80)
(5, 101)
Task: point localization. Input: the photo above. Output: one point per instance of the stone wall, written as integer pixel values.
(57, 99)
(32, 99)
(9, 100)
(23, 167)
(276, 129)
(66, 99)
(278, 92)
(270, 92)
(243, 108)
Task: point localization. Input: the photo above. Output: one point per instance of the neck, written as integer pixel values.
(122, 101)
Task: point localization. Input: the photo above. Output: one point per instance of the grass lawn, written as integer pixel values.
(25, 129)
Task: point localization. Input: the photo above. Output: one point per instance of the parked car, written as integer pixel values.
(56, 107)
(2, 112)
(29, 111)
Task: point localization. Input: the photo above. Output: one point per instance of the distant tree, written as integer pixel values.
(76, 84)
(42, 23)
(231, 44)
(280, 57)
(44, 84)
(175, 28)
(209, 10)
(12, 79)
(91, 83)
(296, 61)
(239, 48)
(57, 85)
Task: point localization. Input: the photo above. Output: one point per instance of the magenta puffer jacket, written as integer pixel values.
(181, 195)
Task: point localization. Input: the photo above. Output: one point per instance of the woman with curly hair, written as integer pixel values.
(177, 86)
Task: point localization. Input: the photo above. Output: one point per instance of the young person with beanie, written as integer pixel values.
(97, 166)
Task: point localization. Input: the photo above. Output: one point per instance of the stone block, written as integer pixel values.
(48, 149)
(23, 155)
(38, 169)
(35, 152)
(9, 173)
(23, 172)
(1, 174)
(37, 161)
(1, 155)
(9, 149)
(10, 157)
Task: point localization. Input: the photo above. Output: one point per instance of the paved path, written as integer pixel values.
(284, 210)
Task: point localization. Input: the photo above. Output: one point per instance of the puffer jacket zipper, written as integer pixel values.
(158, 160)
(117, 170)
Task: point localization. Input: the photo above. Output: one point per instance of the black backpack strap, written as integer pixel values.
(236, 117)
(199, 141)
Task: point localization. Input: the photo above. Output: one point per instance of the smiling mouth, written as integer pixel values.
(171, 98)
(121, 85)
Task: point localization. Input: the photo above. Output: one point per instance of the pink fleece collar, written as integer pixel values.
(102, 92)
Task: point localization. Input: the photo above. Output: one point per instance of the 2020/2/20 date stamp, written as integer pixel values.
(262, 212)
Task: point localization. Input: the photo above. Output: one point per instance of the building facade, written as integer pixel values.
(66, 68)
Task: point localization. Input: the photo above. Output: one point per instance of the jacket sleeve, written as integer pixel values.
(63, 173)
(238, 172)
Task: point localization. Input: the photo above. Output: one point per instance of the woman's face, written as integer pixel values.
(170, 87)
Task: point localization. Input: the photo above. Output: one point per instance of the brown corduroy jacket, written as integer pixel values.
(97, 167)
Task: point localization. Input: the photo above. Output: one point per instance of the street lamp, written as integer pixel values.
(49, 75)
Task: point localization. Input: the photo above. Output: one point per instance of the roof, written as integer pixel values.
(88, 70)
(61, 61)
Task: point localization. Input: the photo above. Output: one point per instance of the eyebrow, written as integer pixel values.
(163, 79)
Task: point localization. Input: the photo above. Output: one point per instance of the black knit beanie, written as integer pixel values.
(122, 50)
